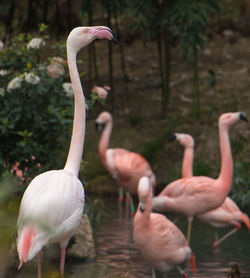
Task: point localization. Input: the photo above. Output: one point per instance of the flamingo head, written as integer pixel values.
(185, 140)
(229, 119)
(80, 37)
(103, 118)
(143, 191)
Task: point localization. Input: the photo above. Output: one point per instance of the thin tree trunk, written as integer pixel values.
(195, 90)
(161, 67)
(32, 19)
(167, 70)
(110, 56)
(92, 50)
(69, 15)
(9, 18)
(45, 11)
(123, 64)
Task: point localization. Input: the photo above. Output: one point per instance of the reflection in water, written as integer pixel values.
(117, 257)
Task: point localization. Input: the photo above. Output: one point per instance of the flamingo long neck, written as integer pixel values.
(148, 208)
(77, 140)
(187, 163)
(104, 141)
(226, 172)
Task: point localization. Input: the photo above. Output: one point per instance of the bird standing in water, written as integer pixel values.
(160, 242)
(53, 203)
(125, 167)
(228, 213)
(196, 195)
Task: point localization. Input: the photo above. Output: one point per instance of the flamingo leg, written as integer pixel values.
(184, 275)
(39, 264)
(190, 220)
(217, 242)
(120, 198)
(132, 207)
(62, 262)
(153, 273)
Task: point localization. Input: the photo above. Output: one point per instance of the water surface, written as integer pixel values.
(118, 257)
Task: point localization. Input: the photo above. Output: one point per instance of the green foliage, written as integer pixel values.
(240, 191)
(190, 19)
(36, 108)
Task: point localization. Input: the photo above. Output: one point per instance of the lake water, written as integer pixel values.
(118, 257)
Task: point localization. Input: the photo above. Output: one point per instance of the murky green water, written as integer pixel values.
(118, 257)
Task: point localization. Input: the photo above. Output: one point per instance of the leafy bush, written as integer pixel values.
(240, 191)
(36, 106)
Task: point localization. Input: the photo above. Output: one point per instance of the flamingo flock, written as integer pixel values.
(52, 205)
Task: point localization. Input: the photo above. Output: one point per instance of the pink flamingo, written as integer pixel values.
(160, 242)
(125, 167)
(53, 203)
(196, 195)
(228, 213)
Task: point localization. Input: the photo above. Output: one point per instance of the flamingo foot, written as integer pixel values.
(216, 244)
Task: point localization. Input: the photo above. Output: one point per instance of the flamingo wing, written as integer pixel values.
(129, 164)
(191, 186)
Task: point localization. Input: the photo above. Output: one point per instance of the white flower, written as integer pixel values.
(67, 87)
(15, 83)
(3, 72)
(55, 69)
(2, 92)
(35, 43)
(31, 78)
(1, 46)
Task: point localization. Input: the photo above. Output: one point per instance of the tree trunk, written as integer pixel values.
(32, 18)
(195, 89)
(123, 64)
(9, 19)
(162, 76)
(45, 11)
(167, 70)
(110, 56)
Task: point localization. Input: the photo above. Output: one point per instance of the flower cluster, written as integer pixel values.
(16, 82)
(36, 43)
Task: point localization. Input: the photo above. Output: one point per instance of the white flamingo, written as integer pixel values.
(53, 203)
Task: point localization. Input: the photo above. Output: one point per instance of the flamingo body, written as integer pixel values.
(160, 242)
(63, 195)
(228, 214)
(189, 196)
(125, 167)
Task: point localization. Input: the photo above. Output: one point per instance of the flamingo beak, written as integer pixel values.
(243, 117)
(99, 126)
(114, 39)
(172, 138)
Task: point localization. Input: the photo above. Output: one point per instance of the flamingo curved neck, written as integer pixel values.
(187, 163)
(78, 132)
(104, 141)
(226, 172)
